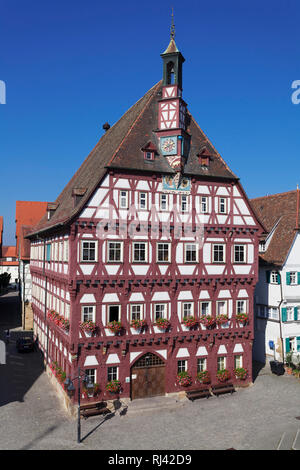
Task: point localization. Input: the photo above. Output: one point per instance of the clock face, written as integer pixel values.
(169, 145)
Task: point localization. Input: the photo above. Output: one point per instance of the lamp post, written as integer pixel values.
(70, 389)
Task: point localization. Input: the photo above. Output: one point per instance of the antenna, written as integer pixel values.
(172, 26)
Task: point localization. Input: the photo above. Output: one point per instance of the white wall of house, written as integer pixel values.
(12, 270)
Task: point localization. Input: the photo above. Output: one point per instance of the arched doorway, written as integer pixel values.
(148, 377)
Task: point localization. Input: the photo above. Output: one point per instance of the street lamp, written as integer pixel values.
(71, 389)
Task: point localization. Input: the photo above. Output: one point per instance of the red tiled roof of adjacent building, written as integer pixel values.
(9, 252)
(127, 138)
(278, 212)
(28, 213)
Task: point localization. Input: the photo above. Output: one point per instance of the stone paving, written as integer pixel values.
(260, 417)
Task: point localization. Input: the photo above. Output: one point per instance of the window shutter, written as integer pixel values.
(295, 313)
(287, 345)
(268, 274)
(283, 314)
(298, 343)
(288, 278)
(278, 278)
(298, 276)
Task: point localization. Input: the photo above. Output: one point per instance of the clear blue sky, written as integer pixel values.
(69, 66)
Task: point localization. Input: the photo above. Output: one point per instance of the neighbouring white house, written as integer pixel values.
(277, 294)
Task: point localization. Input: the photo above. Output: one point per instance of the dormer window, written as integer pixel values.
(204, 158)
(149, 156)
(149, 152)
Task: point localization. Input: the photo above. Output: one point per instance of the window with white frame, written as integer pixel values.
(187, 309)
(123, 199)
(273, 313)
(238, 361)
(190, 253)
(205, 308)
(66, 250)
(112, 373)
(160, 311)
(91, 374)
(163, 252)
(143, 202)
(88, 250)
(239, 254)
(201, 364)
(136, 312)
(181, 366)
(139, 252)
(88, 313)
(115, 252)
(113, 313)
(218, 254)
(290, 313)
(222, 205)
(241, 306)
(274, 277)
(221, 363)
(163, 202)
(293, 278)
(204, 205)
(184, 203)
(221, 307)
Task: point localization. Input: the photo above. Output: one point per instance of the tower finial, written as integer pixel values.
(172, 26)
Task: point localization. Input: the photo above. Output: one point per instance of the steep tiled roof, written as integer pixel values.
(278, 212)
(121, 148)
(28, 213)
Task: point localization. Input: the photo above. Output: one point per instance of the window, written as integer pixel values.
(163, 252)
(163, 202)
(149, 156)
(113, 313)
(190, 253)
(88, 313)
(136, 312)
(241, 306)
(48, 252)
(112, 373)
(143, 201)
(201, 364)
(222, 205)
(88, 251)
(123, 202)
(187, 309)
(221, 363)
(273, 313)
(181, 366)
(91, 373)
(222, 307)
(292, 278)
(184, 203)
(274, 279)
(160, 311)
(239, 254)
(290, 313)
(218, 253)
(205, 308)
(139, 252)
(115, 251)
(66, 250)
(204, 205)
(238, 361)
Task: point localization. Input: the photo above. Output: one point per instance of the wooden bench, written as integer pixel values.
(222, 388)
(199, 393)
(93, 409)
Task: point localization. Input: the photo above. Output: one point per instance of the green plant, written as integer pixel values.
(113, 386)
(184, 379)
(223, 375)
(241, 373)
(203, 377)
(289, 359)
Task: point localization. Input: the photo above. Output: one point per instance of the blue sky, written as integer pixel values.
(70, 66)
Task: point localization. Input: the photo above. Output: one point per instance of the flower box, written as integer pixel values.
(113, 386)
(162, 323)
(115, 326)
(203, 377)
(58, 320)
(184, 379)
(88, 326)
(208, 321)
(241, 373)
(221, 319)
(190, 322)
(91, 393)
(223, 375)
(242, 318)
(138, 324)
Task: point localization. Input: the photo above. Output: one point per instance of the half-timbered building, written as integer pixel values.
(146, 264)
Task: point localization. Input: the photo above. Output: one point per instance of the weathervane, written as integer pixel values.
(172, 26)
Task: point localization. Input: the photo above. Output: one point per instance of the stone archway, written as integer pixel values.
(148, 377)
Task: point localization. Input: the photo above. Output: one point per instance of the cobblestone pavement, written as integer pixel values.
(32, 417)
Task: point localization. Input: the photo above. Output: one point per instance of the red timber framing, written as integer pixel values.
(125, 256)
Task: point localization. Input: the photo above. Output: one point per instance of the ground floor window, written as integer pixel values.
(238, 361)
(91, 374)
(112, 373)
(221, 362)
(181, 366)
(201, 364)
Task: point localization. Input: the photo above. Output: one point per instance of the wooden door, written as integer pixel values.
(148, 377)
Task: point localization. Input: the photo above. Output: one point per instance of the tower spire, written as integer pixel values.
(172, 35)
